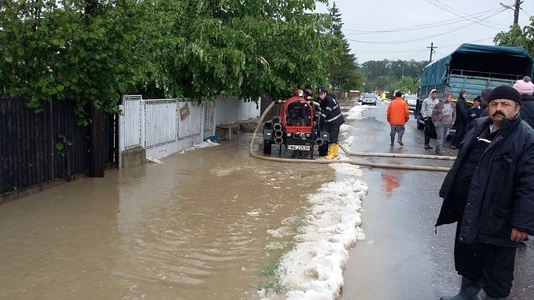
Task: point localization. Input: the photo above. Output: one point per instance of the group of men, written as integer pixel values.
(439, 116)
(331, 117)
(489, 190)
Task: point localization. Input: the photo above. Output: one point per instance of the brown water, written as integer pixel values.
(207, 224)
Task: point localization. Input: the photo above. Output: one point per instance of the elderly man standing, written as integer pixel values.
(489, 191)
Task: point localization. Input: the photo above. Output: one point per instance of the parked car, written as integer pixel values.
(369, 99)
(411, 100)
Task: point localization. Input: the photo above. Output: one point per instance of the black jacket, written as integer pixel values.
(527, 109)
(461, 111)
(501, 192)
(331, 112)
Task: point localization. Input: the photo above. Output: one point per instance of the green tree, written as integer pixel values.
(518, 37)
(79, 51)
(245, 49)
(93, 51)
(345, 74)
(393, 75)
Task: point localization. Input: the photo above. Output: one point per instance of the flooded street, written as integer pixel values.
(206, 224)
(216, 223)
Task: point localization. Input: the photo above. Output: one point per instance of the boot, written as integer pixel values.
(392, 138)
(468, 291)
(330, 154)
(438, 150)
(336, 149)
(400, 139)
(427, 146)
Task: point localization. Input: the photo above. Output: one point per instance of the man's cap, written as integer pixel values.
(505, 92)
(477, 98)
(321, 90)
(433, 91)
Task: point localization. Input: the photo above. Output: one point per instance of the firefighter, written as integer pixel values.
(308, 93)
(332, 120)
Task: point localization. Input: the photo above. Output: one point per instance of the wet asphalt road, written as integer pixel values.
(402, 257)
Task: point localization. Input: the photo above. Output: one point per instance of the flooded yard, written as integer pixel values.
(206, 224)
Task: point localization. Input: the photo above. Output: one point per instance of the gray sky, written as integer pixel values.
(405, 29)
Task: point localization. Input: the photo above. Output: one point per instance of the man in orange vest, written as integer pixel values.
(397, 114)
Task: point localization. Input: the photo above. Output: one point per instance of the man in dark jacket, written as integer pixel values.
(333, 119)
(489, 191)
(308, 93)
(525, 87)
(461, 119)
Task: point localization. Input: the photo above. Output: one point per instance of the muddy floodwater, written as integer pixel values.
(206, 224)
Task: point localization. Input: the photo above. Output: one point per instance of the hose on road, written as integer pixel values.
(350, 161)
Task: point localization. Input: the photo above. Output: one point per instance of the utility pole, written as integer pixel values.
(516, 8)
(431, 50)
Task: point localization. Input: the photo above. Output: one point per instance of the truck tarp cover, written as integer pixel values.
(496, 61)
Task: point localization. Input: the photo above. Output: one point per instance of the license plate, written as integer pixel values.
(298, 147)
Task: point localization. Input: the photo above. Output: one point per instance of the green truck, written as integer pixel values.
(473, 68)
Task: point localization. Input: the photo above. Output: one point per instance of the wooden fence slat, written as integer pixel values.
(28, 153)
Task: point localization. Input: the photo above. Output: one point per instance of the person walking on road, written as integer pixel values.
(426, 113)
(461, 120)
(443, 117)
(398, 114)
(525, 87)
(333, 119)
(489, 191)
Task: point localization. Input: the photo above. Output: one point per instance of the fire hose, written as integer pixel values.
(350, 161)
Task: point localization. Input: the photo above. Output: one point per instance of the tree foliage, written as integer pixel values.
(79, 51)
(93, 51)
(393, 75)
(246, 49)
(345, 73)
(518, 37)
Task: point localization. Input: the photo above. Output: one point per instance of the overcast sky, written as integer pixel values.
(405, 29)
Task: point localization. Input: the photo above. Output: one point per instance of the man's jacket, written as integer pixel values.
(398, 112)
(461, 110)
(501, 192)
(331, 112)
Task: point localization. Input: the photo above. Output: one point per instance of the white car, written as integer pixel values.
(411, 100)
(369, 99)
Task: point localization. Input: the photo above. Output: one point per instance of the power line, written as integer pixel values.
(412, 40)
(485, 14)
(516, 8)
(460, 13)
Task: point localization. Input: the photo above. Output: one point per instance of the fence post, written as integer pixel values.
(202, 120)
(121, 136)
(96, 167)
(142, 112)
